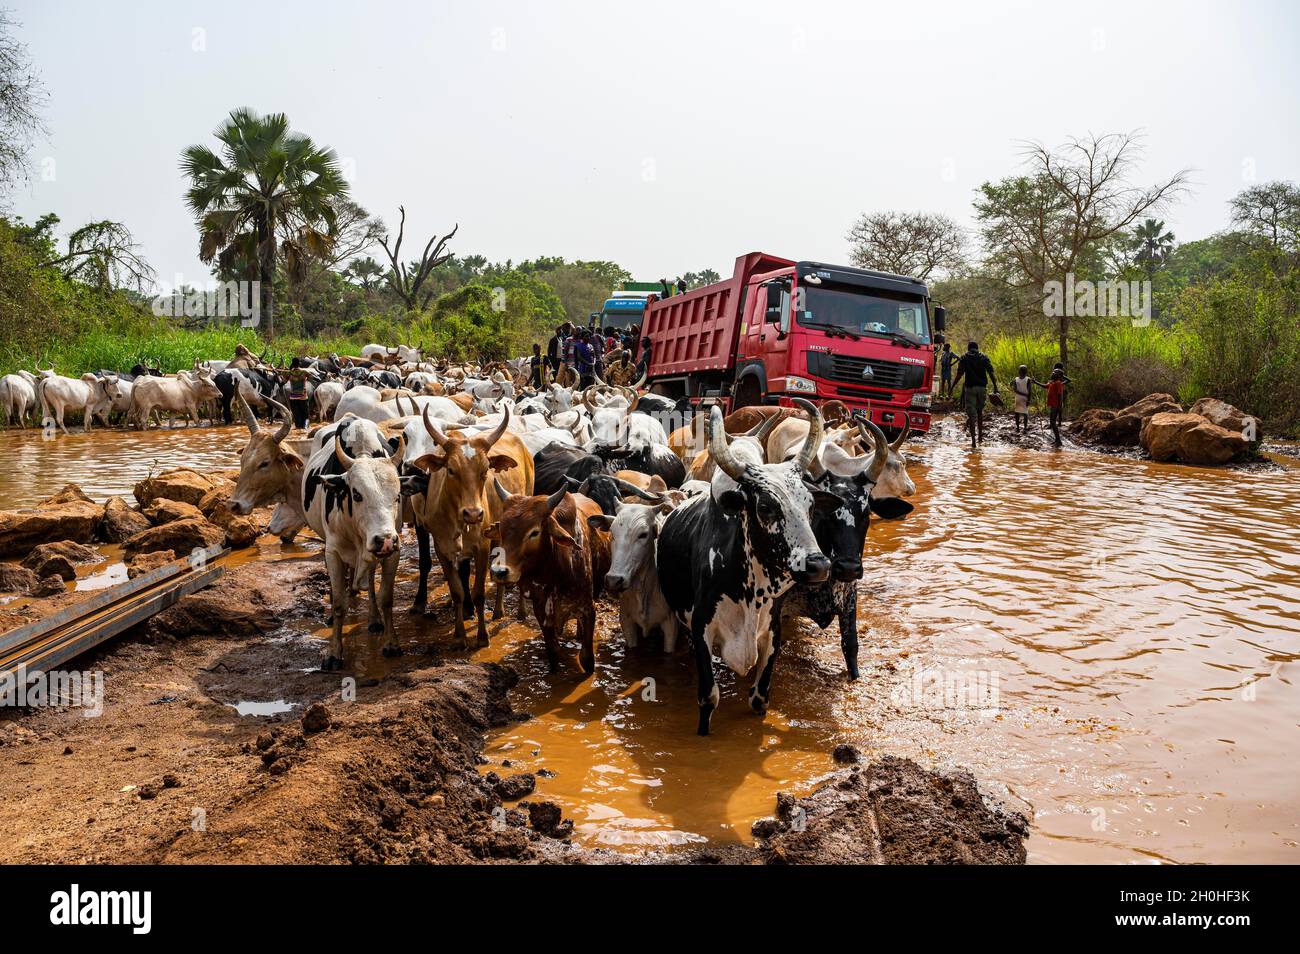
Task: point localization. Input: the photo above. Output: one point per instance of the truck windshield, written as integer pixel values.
(864, 311)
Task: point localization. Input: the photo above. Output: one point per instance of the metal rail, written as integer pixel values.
(51, 642)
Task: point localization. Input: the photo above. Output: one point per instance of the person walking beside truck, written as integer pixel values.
(297, 387)
(946, 358)
(977, 369)
(584, 359)
(536, 378)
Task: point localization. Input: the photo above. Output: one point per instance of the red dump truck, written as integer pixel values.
(779, 329)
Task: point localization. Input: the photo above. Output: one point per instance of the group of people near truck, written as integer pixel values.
(581, 355)
(977, 371)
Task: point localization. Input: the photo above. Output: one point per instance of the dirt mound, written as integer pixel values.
(892, 812)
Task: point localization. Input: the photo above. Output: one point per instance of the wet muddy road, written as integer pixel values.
(1111, 640)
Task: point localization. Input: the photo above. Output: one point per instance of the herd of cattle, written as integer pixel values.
(727, 527)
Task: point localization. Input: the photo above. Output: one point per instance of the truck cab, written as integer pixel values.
(832, 332)
(780, 329)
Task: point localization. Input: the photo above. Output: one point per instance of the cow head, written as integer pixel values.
(372, 493)
(467, 462)
(883, 464)
(558, 399)
(526, 533)
(774, 500)
(632, 534)
(203, 387)
(268, 471)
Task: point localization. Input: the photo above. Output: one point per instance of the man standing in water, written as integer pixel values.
(977, 369)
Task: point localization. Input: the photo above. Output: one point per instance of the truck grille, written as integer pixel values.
(892, 375)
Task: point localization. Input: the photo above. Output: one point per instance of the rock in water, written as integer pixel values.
(1192, 439)
(187, 486)
(163, 511)
(180, 536)
(120, 522)
(142, 563)
(16, 579)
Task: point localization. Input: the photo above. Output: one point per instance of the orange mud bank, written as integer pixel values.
(220, 742)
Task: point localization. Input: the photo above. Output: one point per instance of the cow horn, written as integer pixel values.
(555, 499)
(438, 436)
(763, 429)
(500, 429)
(249, 417)
(640, 382)
(880, 456)
(501, 491)
(287, 426)
(815, 430)
(718, 449)
(629, 488)
(902, 435)
(400, 454)
(587, 397)
(341, 455)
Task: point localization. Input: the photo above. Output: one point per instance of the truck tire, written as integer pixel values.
(747, 394)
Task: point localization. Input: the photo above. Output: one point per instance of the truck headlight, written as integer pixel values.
(802, 385)
(920, 400)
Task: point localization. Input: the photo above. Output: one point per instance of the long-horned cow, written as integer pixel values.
(725, 558)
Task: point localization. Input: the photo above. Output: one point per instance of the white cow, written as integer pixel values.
(354, 503)
(632, 576)
(328, 394)
(179, 395)
(18, 396)
(89, 394)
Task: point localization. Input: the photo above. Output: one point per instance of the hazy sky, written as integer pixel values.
(664, 136)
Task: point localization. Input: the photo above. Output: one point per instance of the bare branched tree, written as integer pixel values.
(916, 244)
(355, 232)
(21, 98)
(1272, 212)
(407, 281)
(105, 254)
(1044, 225)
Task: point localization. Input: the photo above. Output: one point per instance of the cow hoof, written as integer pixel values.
(481, 641)
(418, 609)
(467, 612)
(853, 673)
(375, 628)
(459, 644)
(587, 663)
(392, 651)
(758, 703)
(331, 664)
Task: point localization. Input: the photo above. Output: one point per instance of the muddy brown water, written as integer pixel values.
(1108, 644)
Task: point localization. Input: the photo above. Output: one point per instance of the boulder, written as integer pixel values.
(164, 510)
(181, 536)
(1122, 430)
(64, 518)
(49, 586)
(241, 532)
(215, 505)
(1210, 445)
(70, 493)
(1222, 413)
(120, 521)
(141, 563)
(1088, 425)
(181, 483)
(74, 553)
(16, 579)
(1192, 439)
(51, 565)
(1158, 403)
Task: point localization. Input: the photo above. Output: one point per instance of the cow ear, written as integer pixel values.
(334, 481)
(559, 534)
(890, 508)
(600, 521)
(291, 458)
(732, 501)
(826, 500)
(502, 461)
(430, 462)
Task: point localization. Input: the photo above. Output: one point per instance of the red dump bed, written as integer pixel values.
(698, 331)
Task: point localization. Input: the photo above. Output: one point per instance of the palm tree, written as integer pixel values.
(1153, 245)
(270, 193)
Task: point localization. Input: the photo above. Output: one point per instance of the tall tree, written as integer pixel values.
(21, 98)
(268, 192)
(1152, 245)
(1051, 222)
(1270, 211)
(915, 244)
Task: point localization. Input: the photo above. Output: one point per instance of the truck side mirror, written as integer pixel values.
(940, 318)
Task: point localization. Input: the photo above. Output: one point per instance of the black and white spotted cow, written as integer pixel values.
(725, 558)
(840, 520)
(354, 504)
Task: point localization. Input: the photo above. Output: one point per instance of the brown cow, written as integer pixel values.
(546, 545)
(453, 508)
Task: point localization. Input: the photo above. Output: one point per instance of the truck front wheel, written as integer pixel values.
(747, 394)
